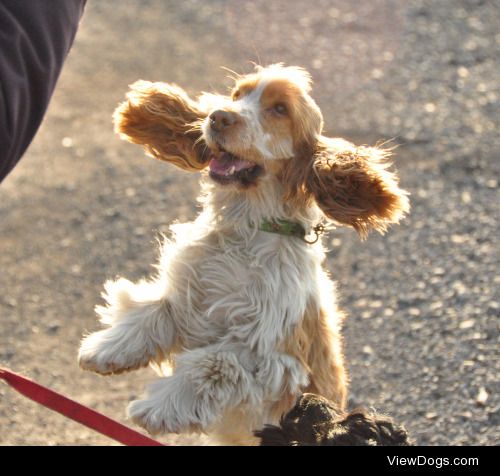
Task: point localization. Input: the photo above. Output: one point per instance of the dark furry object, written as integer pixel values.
(314, 421)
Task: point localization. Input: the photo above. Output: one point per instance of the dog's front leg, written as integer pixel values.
(206, 381)
(140, 329)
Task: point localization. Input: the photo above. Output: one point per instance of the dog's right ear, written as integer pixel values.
(166, 121)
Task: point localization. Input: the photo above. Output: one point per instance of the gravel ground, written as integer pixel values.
(422, 332)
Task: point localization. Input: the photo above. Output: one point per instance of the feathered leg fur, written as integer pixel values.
(139, 330)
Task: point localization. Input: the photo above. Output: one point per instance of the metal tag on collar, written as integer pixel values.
(318, 230)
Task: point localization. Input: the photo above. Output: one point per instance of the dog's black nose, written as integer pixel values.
(220, 120)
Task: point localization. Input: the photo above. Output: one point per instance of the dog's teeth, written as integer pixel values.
(231, 170)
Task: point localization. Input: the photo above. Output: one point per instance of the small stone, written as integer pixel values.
(439, 271)
(112, 213)
(467, 324)
(11, 302)
(65, 242)
(431, 415)
(471, 45)
(76, 269)
(466, 197)
(367, 350)
(459, 239)
(482, 397)
(67, 142)
(492, 183)
(430, 107)
(435, 306)
(481, 87)
(416, 326)
(376, 304)
(459, 288)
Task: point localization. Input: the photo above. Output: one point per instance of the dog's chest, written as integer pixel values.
(226, 285)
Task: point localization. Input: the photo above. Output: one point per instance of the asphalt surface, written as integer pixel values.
(422, 333)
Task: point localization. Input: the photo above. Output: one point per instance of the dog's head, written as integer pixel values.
(268, 120)
(268, 127)
(314, 421)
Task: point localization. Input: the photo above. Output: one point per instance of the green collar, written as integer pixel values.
(283, 227)
(289, 228)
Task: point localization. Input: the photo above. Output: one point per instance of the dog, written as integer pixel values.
(314, 421)
(241, 306)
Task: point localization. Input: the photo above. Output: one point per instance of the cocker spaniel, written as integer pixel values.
(241, 306)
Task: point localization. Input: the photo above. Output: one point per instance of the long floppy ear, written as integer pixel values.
(163, 119)
(353, 186)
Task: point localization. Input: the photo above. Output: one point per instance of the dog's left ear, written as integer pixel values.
(166, 121)
(353, 186)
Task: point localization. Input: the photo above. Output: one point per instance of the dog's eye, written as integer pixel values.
(280, 109)
(236, 94)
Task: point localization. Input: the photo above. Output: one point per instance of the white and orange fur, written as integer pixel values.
(247, 319)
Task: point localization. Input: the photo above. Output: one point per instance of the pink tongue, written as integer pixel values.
(223, 163)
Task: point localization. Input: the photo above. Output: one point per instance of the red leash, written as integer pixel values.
(76, 411)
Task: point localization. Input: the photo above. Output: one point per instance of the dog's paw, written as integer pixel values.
(157, 420)
(102, 353)
(172, 405)
(144, 414)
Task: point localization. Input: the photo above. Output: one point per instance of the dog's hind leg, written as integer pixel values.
(140, 328)
(317, 340)
(209, 381)
(204, 383)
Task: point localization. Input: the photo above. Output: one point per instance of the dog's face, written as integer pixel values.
(268, 119)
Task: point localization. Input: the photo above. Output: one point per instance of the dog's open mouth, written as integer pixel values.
(226, 168)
